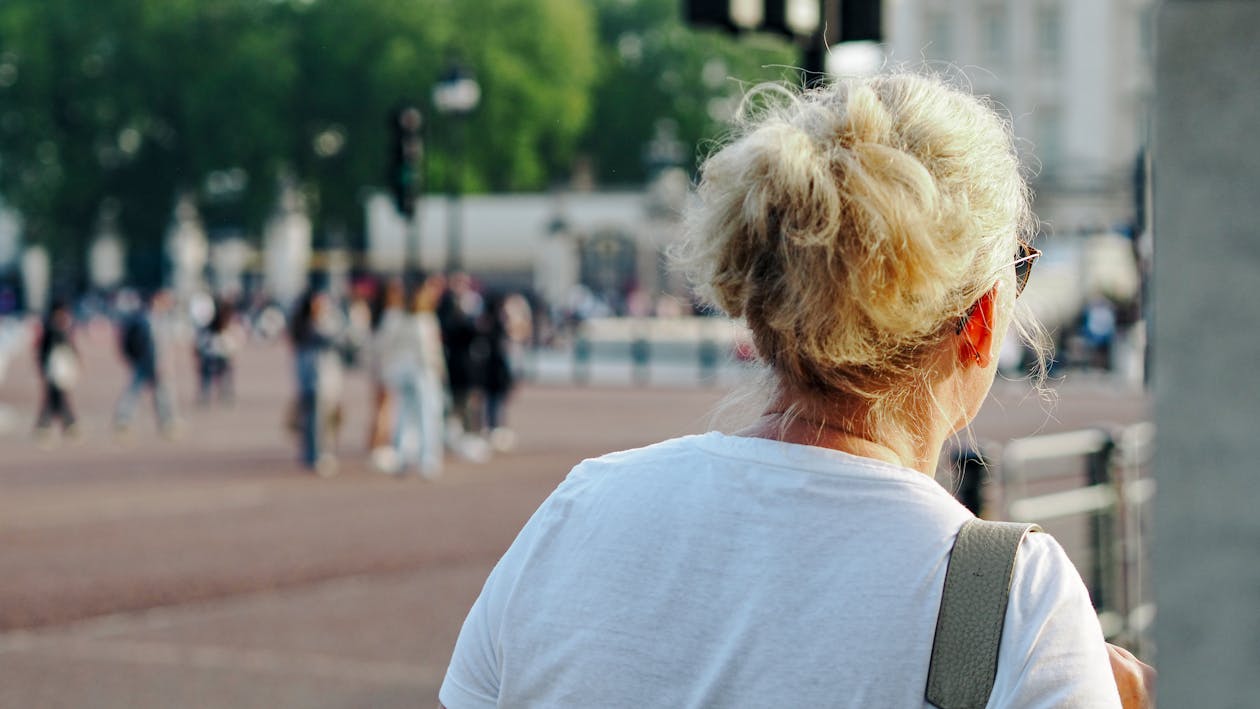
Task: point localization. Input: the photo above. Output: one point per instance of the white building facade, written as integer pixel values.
(611, 244)
(1075, 77)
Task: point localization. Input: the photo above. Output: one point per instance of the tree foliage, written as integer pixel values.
(654, 68)
(130, 103)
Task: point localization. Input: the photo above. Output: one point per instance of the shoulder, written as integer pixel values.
(1046, 586)
(1042, 562)
(663, 458)
(591, 503)
(599, 490)
(1053, 651)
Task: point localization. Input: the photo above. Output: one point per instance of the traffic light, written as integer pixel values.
(860, 21)
(406, 153)
(730, 15)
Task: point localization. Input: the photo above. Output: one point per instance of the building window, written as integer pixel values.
(938, 31)
(1049, 34)
(993, 34)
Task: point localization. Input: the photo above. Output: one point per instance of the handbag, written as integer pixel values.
(973, 610)
(63, 367)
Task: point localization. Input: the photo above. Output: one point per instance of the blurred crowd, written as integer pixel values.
(440, 356)
(439, 351)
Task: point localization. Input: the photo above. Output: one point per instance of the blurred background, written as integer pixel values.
(202, 167)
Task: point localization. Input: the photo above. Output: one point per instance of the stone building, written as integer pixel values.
(1075, 77)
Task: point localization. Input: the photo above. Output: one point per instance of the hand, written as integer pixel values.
(1135, 679)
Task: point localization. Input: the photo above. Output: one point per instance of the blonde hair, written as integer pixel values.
(853, 225)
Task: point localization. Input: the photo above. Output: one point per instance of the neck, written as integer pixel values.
(840, 430)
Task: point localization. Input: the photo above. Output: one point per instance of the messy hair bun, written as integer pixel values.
(852, 224)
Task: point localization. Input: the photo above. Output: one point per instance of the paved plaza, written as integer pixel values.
(210, 571)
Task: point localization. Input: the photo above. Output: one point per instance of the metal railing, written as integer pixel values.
(1111, 495)
(640, 347)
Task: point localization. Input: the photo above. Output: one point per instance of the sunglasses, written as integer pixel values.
(1025, 257)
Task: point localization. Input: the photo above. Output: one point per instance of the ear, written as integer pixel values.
(975, 342)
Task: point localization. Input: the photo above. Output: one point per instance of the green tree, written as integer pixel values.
(133, 102)
(534, 60)
(653, 67)
(56, 116)
(210, 83)
(357, 63)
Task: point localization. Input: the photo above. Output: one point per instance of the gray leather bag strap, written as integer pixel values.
(973, 609)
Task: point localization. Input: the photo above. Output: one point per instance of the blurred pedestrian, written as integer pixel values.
(59, 367)
(387, 310)
(1098, 328)
(141, 351)
(357, 331)
(415, 367)
(460, 306)
(317, 364)
(518, 317)
(872, 234)
(497, 375)
(216, 344)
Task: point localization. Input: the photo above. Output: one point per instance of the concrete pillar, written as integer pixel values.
(36, 278)
(287, 250)
(10, 237)
(187, 249)
(1206, 338)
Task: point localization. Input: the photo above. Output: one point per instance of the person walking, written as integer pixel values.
(873, 233)
(216, 344)
(457, 313)
(59, 367)
(458, 310)
(497, 374)
(387, 311)
(317, 365)
(141, 352)
(415, 366)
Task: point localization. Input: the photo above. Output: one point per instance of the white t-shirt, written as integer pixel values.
(409, 345)
(724, 571)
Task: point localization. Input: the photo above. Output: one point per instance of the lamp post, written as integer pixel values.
(456, 95)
